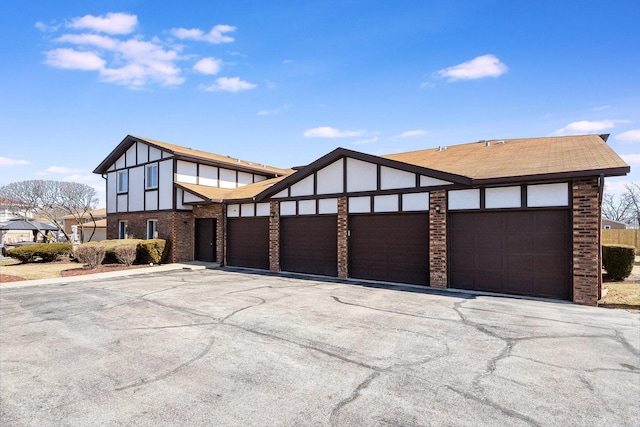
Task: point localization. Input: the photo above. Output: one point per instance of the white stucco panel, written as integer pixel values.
(542, 195)
(190, 198)
(394, 178)
(331, 178)
(143, 152)
(165, 184)
(131, 156)
(247, 209)
(361, 176)
(120, 162)
(427, 181)
(283, 193)
(244, 178)
(464, 199)
(151, 200)
(303, 187)
(187, 172)
(258, 178)
(415, 202)
(208, 176)
(233, 211)
(136, 189)
(227, 178)
(307, 207)
(111, 192)
(360, 204)
(503, 197)
(122, 202)
(386, 203)
(328, 206)
(156, 154)
(287, 208)
(262, 209)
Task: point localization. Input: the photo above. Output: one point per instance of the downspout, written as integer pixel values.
(600, 197)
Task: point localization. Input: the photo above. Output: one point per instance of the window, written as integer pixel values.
(151, 176)
(123, 229)
(607, 227)
(123, 181)
(152, 229)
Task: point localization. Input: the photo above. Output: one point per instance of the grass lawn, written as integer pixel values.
(36, 270)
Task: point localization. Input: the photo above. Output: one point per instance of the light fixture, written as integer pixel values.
(437, 208)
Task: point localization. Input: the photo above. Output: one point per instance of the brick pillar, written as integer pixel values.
(343, 237)
(438, 239)
(274, 236)
(587, 273)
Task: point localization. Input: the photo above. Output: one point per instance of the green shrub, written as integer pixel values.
(90, 254)
(47, 252)
(618, 260)
(110, 248)
(152, 250)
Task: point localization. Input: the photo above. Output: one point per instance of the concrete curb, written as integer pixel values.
(108, 275)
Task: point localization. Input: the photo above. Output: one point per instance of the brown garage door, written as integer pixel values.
(390, 247)
(248, 242)
(523, 253)
(309, 244)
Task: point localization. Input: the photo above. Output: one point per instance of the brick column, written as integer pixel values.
(438, 239)
(343, 237)
(587, 273)
(274, 236)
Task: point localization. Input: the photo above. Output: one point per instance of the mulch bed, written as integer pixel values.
(104, 268)
(6, 278)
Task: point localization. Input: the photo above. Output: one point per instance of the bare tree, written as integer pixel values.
(631, 197)
(53, 200)
(616, 208)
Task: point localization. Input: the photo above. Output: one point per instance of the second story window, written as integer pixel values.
(123, 181)
(151, 176)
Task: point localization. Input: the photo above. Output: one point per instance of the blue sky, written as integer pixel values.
(285, 82)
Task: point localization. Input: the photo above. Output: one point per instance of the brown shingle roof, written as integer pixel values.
(189, 152)
(520, 157)
(216, 194)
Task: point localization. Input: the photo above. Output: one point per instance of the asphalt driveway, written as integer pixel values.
(219, 347)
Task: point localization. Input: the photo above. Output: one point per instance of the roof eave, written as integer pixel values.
(556, 176)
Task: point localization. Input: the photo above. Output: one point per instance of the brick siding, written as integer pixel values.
(274, 236)
(587, 275)
(438, 239)
(343, 237)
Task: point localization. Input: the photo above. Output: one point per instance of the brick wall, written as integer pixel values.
(587, 275)
(438, 239)
(216, 211)
(343, 237)
(176, 227)
(274, 236)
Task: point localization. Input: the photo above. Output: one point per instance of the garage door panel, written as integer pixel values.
(309, 244)
(248, 242)
(529, 254)
(390, 247)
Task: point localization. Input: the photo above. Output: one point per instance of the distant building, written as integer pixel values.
(609, 224)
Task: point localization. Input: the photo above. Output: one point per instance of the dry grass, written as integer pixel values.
(31, 271)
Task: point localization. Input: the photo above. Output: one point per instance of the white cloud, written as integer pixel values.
(111, 23)
(208, 66)
(602, 107)
(74, 59)
(274, 111)
(45, 28)
(5, 161)
(410, 133)
(586, 126)
(215, 36)
(477, 68)
(329, 132)
(229, 84)
(631, 159)
(366, 141)
(60, 170)
(103, 42)
(427, 85)
(629, 136)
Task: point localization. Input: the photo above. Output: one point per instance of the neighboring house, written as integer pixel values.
(609, 224)
(519, 216)
(94, 231)
(8, 210)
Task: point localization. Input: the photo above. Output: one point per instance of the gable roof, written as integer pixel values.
(511, 159)
(185, 153)
(219, 195)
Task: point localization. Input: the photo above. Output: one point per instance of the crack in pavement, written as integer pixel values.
(146, 381)
(333, 418)
(400, 313)
(494, 405)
